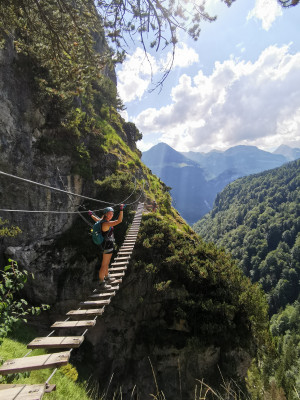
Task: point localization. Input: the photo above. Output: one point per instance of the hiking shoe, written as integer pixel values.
(104, 285)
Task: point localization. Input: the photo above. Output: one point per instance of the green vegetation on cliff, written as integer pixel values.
(202, 289)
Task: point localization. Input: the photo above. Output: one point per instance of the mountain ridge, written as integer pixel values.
(196, 178)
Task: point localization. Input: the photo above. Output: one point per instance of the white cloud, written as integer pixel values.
(144, 146)
(134, 77)
(184, 57)
(136, 73)
(267, 11)
(255, 103)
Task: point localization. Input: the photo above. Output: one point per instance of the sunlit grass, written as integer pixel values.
(66, 388)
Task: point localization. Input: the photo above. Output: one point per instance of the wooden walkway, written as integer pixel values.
(93, 307)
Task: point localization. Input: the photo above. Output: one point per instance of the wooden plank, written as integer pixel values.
(104, 295)
(124, 258)
(101, 296)
(97, 296)
(115, 269)
(102, 302)
(117, 275)
(112, 289)
(115, 288)
(120, 263)
(92, 311)
(56, 342)
(73, 324)
(4, 386)
(92, 303)
(22, 392)
(115, 285)
(35, 362)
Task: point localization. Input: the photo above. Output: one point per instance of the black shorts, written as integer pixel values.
(108, 247)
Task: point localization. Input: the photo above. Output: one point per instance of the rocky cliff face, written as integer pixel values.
(23, 122)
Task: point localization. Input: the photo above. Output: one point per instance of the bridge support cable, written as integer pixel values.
(64, 191)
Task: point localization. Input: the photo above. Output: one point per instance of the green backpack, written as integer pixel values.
(97, 232)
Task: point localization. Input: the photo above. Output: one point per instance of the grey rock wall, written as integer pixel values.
(60, 276)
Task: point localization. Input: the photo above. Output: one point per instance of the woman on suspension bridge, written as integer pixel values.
(107, 231)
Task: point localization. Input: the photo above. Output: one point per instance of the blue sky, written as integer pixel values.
(238, 84)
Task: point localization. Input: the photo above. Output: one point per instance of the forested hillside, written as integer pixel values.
(257, 219)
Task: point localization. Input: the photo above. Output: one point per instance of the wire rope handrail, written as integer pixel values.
(68, 212)
(61, 190)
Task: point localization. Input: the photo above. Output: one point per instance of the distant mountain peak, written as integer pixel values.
(288, 152)
(163, 154)
(282, 147)
(161, 145)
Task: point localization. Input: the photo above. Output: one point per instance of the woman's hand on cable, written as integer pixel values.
(122, 206)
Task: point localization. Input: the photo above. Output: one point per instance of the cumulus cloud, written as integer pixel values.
(267, 11)
(134, 77)
(138, 69)
(184, 57)
(239, 103)
(144, 146)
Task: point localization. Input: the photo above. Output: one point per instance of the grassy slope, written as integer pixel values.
(64, 378)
